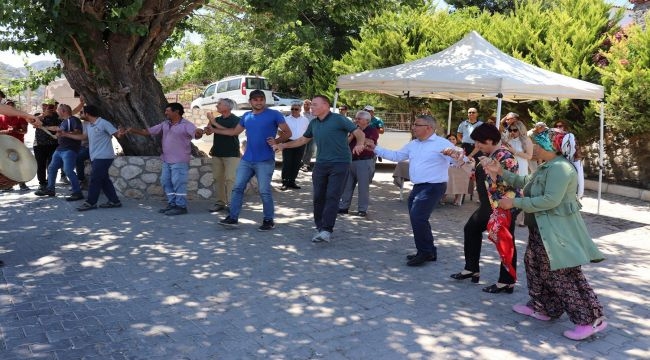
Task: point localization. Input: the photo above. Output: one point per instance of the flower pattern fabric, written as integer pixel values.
(500, 220)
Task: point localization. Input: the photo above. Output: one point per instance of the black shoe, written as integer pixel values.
(343, 211)
(24, 187)
(412, 256)
(266, 225)
(494, 289)
(421, 258)
(75, 196)
(460, 276)
(86, 206)
(362, 214)
(176, 211)
(45, 192)
(229, 223)
(293, 186)
(164, 210)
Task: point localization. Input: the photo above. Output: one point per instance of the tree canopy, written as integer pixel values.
(107, 48)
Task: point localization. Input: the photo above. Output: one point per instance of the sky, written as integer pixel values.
(17, 60)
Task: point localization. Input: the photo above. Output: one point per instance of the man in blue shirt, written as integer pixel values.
(330, 133)
(428, 170)
(261, 125)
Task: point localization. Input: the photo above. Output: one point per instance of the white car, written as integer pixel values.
(236, 88)
(281, 100)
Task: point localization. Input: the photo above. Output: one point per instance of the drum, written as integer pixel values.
(17, 164)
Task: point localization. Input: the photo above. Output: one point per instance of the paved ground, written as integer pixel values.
(130, 283)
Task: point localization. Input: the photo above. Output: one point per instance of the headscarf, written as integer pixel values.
(557, 141)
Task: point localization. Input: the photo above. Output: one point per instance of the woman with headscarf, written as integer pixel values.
(558, 241)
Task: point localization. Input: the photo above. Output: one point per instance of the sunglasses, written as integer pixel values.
(295, 109)
(513, 130)
(471, 112)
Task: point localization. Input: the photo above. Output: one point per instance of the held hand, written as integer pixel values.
(358, 149)
(491, 166)
(277, 147)
(271, 141)
(369, 144)
(506, 203)
(208, 130)
(454, 153)
(209, 115)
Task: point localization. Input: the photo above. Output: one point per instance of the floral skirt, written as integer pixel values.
(558, 291)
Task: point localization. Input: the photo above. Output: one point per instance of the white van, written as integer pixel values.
(237, 88)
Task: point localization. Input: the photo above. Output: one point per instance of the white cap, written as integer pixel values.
(369, 108)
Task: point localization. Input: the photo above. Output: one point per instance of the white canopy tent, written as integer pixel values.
(473, 69)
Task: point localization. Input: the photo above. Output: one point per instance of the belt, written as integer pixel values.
(363, 158)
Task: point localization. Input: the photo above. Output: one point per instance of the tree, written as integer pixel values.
(493, 6)
(107, 48)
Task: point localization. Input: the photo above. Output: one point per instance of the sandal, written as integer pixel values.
(582, 332)
(528, 311)
(495, 289)
(110, 204)
(86, 206)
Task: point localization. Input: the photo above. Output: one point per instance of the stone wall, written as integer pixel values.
(138, 177)
(626, 162)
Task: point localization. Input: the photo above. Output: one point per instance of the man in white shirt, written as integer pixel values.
(292, 157)
(428, 170)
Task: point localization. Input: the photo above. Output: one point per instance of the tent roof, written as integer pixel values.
(471, 69)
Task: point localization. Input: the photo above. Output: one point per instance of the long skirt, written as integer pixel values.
(558, 291)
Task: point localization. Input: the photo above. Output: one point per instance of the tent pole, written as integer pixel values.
(336, 98)
(449, 117)
(601, 153)
(499, 101)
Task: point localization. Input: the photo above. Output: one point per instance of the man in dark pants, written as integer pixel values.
(330, 133)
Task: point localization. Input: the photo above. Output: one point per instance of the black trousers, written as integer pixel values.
(473, 232)
(291, 159)
(43, 155)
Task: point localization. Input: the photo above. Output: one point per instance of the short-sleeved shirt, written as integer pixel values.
(70, 124)
(331, 138)
(100, 138)
(225, 145)
(376, 122)
(260, 127)
(372, 134)
(297, 125)
(15, 123)
(465, 128)
(176, 140)
(41, 138)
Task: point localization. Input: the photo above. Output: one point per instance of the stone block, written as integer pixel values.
(204, 193)
(150, 178)
(155, 190)
(192, 185)
(136, 160)
(137, 184)
(114, 172)
(130, 171)
(206, 180)
(133, 194)
(193, 174)
(645, 195)
(153, 165)
(120, 161)
(195, 162)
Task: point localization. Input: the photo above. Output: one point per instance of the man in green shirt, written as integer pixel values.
(224, 152)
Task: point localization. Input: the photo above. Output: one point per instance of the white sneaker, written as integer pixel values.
(322, 236)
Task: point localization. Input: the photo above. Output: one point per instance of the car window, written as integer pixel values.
(209, 90)
(233, 84)
(257, 83)
(222, 87)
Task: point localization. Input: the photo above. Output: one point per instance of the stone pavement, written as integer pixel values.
(130, 283)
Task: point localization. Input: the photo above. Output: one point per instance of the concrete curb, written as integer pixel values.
(626, 191)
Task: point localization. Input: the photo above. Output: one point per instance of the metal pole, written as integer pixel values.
(601, 153)
(449, 117)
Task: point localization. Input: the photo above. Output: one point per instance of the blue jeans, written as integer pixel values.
(100, 181)
(67, 159)
(174, 183)
(263, 170)
(422, 200)
(329, 181)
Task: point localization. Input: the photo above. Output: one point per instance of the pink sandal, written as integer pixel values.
(582, 332)
(526, 310)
